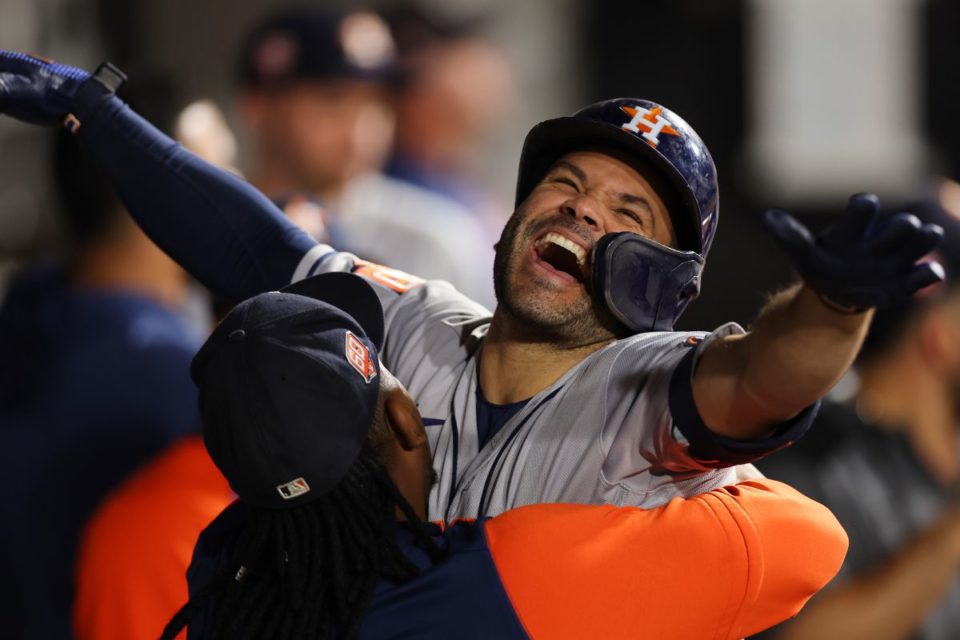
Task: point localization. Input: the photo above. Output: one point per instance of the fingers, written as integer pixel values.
(923, 275)
(904, 239)
(857, 219)
(789, 232)
(922, 242)
(893, 233)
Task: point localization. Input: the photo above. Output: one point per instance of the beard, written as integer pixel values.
(530, 306)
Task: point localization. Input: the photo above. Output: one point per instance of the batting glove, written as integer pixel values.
(863, 260)
(42, 92)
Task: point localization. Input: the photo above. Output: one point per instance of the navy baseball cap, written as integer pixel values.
(289, 383)
(318, 43)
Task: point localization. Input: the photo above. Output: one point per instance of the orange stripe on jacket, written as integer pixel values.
(723, 565)
(131, 569)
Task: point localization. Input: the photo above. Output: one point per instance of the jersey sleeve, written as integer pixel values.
(652, 424)
(421, 317)
(217, 226)
(716, 450)
(725, 564)
(223, 231)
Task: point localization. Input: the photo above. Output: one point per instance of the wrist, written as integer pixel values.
(846, 309)
(825, 300)
(812, 305)
(92, 93)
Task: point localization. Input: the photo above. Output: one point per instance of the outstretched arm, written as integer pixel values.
(222, 230)
(807, 337)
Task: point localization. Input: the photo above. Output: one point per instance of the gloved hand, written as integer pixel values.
(863, 260)
(43, 92)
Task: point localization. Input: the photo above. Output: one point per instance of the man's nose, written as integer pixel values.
(584, 209)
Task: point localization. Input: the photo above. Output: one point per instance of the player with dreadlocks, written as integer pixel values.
(331, 462)
(317, 526)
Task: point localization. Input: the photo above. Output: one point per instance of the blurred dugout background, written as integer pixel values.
(800, 103)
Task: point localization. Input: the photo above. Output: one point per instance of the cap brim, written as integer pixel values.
(551, 139)
(351, 294)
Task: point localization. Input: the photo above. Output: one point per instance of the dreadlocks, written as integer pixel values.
(310, 571)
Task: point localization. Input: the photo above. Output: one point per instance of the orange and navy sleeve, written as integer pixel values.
(713, 449)
(725, 564)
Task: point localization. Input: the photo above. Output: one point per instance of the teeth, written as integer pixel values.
(569, 245)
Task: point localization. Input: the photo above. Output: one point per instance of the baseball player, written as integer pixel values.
(576, 389)
(324, 498)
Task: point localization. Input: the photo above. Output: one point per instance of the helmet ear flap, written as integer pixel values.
(645, 285)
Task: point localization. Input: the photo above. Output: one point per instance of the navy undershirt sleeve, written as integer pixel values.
(716, 450)
(218, 227)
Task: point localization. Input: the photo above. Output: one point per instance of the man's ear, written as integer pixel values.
(404, 420)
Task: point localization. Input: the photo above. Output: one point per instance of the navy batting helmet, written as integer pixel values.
(644, 284)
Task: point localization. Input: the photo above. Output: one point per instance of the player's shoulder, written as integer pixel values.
(639, 356)
(150, 330)
(134, 325)
(438, 300)
(653, 343)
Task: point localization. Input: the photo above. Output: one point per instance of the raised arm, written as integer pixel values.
(218, 227)
(808, 336)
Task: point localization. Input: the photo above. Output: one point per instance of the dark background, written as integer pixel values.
(692, 55)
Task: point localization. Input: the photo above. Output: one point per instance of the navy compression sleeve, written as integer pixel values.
(218, 227)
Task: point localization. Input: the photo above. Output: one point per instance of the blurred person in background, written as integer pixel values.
(202, 127)
(133, 558)
(135, 550)
(886, 461)
(459, 88)
(94, 351)
(317, 99)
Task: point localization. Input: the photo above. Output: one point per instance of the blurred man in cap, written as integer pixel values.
(459, 89)
(317, 99)
(886, 460)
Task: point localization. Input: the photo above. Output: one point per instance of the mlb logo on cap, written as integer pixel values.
(293, 488)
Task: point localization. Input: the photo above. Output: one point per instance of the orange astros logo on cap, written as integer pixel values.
(648, 123)
(359, 357)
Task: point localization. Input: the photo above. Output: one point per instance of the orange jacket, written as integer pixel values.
(132, 562)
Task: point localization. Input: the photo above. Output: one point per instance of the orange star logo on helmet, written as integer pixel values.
(648, 124)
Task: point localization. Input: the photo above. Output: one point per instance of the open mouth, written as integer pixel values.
(563, 255)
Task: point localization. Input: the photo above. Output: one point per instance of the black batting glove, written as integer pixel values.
(863, 260)
(43, 92)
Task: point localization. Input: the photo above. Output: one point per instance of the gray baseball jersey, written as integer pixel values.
(604, 433)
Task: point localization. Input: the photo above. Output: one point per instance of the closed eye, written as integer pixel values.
(631, 214)
(567, 181)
